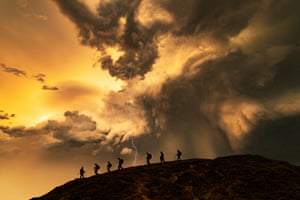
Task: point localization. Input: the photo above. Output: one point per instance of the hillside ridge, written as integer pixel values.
(230, 177)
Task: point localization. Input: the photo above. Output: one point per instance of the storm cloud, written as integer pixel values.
(210, 78)
(220, 101)
(240, 69)
(115, 25)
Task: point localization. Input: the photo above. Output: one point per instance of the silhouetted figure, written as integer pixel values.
(178, 155)
(162, 157)
(121, 161)
(96, 168)
(81, 172)
(148, 158)
(109, 165)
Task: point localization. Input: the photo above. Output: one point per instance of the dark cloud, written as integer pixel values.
(216, 18)
(192, 112)
(12, 70)
(40, 77)
(213, 105)
(228, 96)
(139, 42)
(47, 87)
(18, 131)
(105, 29)
(6, 116)
(275, 139)
(76, 130)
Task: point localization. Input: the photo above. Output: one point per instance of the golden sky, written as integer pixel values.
(37, 39)
(85, 81)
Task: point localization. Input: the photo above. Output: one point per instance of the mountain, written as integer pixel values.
(232, 177)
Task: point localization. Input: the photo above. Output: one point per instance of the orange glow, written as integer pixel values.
(58, 54)
(114, 52)
(202, 76)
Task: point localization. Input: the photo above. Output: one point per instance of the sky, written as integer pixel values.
(85, 81)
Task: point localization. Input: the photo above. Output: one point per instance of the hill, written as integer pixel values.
(232, 177)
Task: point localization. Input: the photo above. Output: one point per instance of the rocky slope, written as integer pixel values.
(233, 177)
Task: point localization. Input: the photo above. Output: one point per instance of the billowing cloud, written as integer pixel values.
(209, 78)
(203, 76)
(74, 131)
(122, 25)
(222, 99)
(115, 26)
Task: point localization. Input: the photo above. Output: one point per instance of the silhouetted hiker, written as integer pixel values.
(109, 165)
(178, 155)
(162, 157)
(81, 172)
(121, 161)
(96, 168)
(149, 157)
